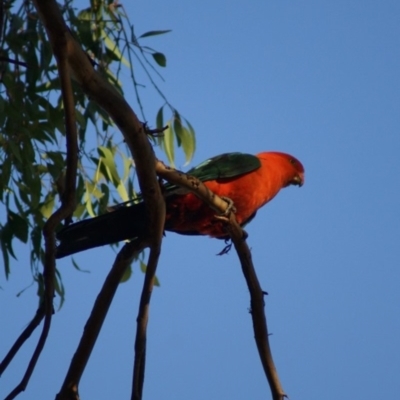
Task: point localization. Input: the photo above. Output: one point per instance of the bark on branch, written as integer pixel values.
(134, 134)
(238, 237)
(69, 390)
(66, 209)
(119, 110)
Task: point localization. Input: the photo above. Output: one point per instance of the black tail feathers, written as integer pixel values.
(121, 224)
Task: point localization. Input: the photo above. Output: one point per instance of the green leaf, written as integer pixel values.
(114, 48)
(122, 191)
(160, 59)
(89, 207)
(47, 207)
(59, 287)
(76, 266)
(168, 145)
(127, 164)
(107, 157)
(79, 210)
(160, 118)
(154, 33)
(178, 127)
(36, 239)
(188, 142)
(191, 145)
(143, 268)
(2, 112)
(127, 274)
(5, 173)
(15, 150)
(23, 193)
(4, 251)
(93, 190)
(185, 137)
(18, 226)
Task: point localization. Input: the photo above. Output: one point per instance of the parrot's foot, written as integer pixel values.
(231, 206)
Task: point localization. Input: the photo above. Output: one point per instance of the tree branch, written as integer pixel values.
(239, 240)
(25, 335)
(257, 308)
(192, 184)
(69, 389)
(133, 131)
(142, 320)
(66, 208)
(108, 98)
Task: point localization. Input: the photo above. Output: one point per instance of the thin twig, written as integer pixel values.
(12, 61)
(37, 319)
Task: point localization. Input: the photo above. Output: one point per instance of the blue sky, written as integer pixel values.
(321, 81)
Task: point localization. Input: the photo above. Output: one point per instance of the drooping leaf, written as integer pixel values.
(154, 33)
(18, 226)
(4, 251)
(177, 127)
(114, 48)
(127, 274)
(160, 118)
(76, 266)
(160, 59)
(59, 288)
(188, 141)
(168, 145)
(107, 157)
(143, 268)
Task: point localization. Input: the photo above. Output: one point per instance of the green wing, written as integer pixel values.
(226, 165)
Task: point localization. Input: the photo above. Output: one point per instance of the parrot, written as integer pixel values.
(248, 181)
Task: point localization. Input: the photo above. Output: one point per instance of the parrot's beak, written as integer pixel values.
(298, 180)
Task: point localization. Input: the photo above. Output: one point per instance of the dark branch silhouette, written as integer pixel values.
(25, 335)
(65, 210)
(70, 57)
(69, 389)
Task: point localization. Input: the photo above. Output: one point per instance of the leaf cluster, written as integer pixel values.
(32, 131)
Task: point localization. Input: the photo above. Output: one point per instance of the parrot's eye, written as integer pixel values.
(292, 161)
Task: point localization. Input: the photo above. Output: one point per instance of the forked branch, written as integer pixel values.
(69, 389)
(105, 95)
(66, 209)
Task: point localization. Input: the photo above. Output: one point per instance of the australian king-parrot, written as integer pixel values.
(249, 181)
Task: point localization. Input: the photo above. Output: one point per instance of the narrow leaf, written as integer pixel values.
(188, 144)
(114, 48)
(168, 145)
(127, 274)
(18, 226)
(160, 118)
(154, 33)
(107, 158)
